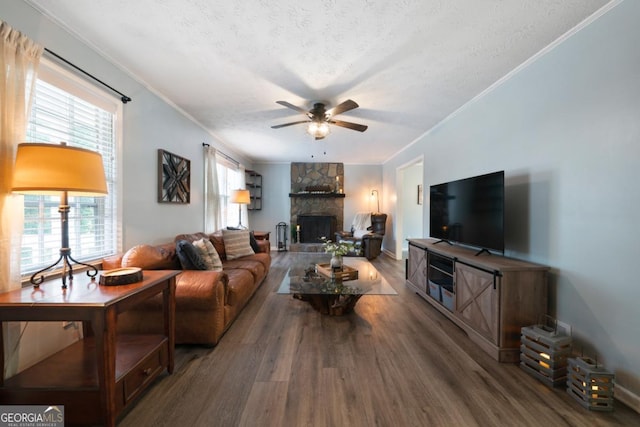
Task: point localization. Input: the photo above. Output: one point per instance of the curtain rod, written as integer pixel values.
(124, 98)
(226, 156)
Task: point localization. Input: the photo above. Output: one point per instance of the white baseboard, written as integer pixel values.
(627, 397)
(389, 253)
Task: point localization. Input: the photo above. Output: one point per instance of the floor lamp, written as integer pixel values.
(377, 196)
(241, 197)
(48, 169)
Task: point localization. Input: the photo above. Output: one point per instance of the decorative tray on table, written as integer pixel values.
(347, 273)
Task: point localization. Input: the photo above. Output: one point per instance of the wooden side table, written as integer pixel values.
(261, 235)
(98, 376)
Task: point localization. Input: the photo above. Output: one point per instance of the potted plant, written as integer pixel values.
(337, 251)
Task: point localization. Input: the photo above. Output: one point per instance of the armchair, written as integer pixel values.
(367, 230)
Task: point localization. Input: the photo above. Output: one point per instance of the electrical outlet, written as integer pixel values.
(564, 328)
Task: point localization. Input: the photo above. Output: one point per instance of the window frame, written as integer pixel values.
(69, 82)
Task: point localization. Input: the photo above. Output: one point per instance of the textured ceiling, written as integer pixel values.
(408, 63)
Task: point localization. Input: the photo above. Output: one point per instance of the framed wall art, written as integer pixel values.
(174, 178)
(419, 194)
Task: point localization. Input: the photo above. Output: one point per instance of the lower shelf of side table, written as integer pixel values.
(70, 376)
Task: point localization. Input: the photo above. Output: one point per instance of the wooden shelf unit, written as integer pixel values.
(100, 375)
(493, 296)
(253, 183)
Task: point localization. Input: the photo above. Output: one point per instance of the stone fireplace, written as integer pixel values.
(317, 200)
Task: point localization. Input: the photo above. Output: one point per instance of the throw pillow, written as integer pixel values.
(254, 243)
(236, 243)
(189, 256)
(208, 254)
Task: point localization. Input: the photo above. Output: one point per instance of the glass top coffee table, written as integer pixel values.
(334, 293)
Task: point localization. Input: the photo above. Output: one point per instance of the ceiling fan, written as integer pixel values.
(319, 118)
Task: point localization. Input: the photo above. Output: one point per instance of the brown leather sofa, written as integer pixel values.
(207, 302)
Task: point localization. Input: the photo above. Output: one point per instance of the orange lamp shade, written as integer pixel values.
(241, 197)
(50, 168)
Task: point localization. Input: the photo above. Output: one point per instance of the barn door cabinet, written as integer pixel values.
(493, 297)
(417, 268)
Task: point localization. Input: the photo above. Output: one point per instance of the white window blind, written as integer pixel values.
(64, 111)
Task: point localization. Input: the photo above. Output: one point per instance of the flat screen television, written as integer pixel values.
(469, 211)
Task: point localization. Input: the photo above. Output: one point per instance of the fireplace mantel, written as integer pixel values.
(317, 195)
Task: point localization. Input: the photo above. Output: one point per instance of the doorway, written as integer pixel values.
(411, 199)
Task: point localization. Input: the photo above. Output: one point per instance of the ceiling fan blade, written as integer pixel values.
(349, 125)
(289, 124)
(293, 107)
(341, 108)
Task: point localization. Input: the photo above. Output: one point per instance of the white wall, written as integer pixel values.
(276, 206)
(359, 180)
(411, 212)
(566, 130)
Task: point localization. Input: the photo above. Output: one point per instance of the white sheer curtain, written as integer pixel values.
(212, 212)
(243, 184)
(19, 59)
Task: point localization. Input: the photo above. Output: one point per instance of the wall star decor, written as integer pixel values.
(174, 178)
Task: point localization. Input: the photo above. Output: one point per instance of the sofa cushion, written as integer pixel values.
(189, 256)
(208, 254)
(218, 243)
(148, 257)
(253, 266)
(236, 243)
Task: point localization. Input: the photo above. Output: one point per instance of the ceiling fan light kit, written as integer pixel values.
(318, 129)
(319, 118)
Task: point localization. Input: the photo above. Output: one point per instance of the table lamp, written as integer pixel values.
(241, 197)
(46, 169)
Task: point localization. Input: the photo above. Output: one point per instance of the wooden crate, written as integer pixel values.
(347, 273)
(591, 385)
(544, 354)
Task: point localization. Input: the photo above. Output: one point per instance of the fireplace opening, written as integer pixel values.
(314, 227)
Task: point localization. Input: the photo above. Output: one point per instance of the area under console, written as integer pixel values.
(490, 297)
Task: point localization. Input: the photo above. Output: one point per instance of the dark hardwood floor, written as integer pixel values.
(395, 361)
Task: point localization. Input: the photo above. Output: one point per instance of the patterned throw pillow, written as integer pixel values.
(189, 256)
(208, 254)
(236, 243)
(253, 242)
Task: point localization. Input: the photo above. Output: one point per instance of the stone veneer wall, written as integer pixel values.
(304, 175)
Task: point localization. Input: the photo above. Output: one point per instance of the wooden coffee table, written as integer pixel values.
(332, 295)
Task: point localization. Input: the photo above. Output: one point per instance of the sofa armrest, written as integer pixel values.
(372, 245)
(344, 235)
(199, 319)
(201, 290)
(111, 262)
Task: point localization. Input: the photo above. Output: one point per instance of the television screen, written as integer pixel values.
(469, 211)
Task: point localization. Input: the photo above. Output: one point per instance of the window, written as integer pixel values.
(67, 109)
(228, 181)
